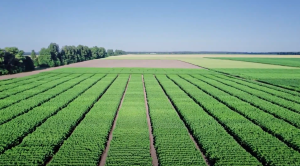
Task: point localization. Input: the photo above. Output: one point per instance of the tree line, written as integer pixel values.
(12, 60)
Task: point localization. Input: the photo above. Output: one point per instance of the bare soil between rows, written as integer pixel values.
(111, 63)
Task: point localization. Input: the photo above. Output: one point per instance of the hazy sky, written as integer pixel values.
(152, 25)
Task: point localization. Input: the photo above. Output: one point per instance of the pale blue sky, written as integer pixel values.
(156, 25)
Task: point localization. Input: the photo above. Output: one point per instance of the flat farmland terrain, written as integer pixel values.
(110, 63)
(222, 61)
(293, 62)
(159, 56)
(146, 116)
(153, 63)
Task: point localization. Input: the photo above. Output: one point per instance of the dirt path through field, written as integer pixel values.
(191, 136)
(152, 148)
(110, 136)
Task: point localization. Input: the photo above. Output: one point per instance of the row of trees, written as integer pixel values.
(12, 60)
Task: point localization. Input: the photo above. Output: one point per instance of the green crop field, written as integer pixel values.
(293, 62)
(150, 116)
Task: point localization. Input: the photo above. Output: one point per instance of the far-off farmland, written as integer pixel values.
(152, 111)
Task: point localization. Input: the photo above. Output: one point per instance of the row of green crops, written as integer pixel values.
(269, 123)
(25, 89)
(43, 86)
(260, 94)
(13, 131)
(19, 80)
(294, 93)
(22, 85)
(24, 106)
(88, 141)
(277, 111)
(130, 144)
(285, 78)
(218, 146)
(39, 146)
(267, 149)
(172, 141)
(267, 89)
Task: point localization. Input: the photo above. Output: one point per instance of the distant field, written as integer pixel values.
(293, 62)
(210, 63)
(288, 78)
(159, 56)
(218, 63)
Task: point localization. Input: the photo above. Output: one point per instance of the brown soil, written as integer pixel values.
(110, 136)
(152, 148)
(112, 63)
(134, 63)
(191, 136)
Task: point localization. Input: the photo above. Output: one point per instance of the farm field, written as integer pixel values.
(202, 61)
(293, 62)
(150, 116)
(286, 78)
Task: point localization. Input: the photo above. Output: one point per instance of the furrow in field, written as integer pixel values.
(278, 93)
(12, 132)
(110, 136)
(44, 86)
(290, 105)
(267, 122)
(275, 110)
(130, 144)
(152, 148)
(90, 136)
(266, 148)
(24, 106)
(20, 86)
(217, 144)
(47, 138)
(172, 139)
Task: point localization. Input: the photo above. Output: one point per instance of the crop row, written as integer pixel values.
(13, 131)
(292, 92)
(269, 123)
(260, 94)
(218, 146)
(88, 140)
(276, 92)
(268, 149)
(38, 147)
(19, 80)
(130, 144)
(172, 141)
(22, 85)
(277, 111)
(43, 86)
(24, 106)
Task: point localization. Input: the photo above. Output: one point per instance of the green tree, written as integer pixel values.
(95, 52)
(55, 54)
(44, 59)
(110, 52)
(102, 52)
(120, 52)
(34, 58)
(13, 60)
(28, 64)
(3, 69)
(69, 54)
